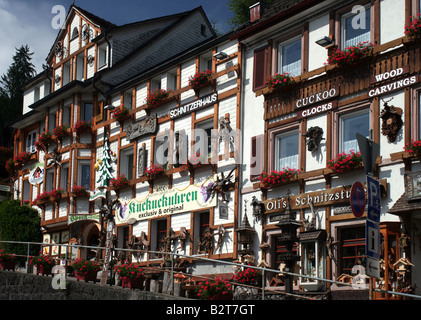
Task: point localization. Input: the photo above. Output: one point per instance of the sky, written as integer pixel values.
(33, 22)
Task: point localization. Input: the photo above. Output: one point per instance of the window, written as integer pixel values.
(126, 163)
(289, 57)
(86, 112)
(355, 27)
(37, 93)
(128, 100)
(30, 142)
(202, 224)
(203, 138)
(159, 228)
(66, 115)
(52, 121)
(66, 73)
(349, 126)
(352, 245)
(26, 192)
(49, 180)
(259, 68)
(64, 177)
(286, 150)
(84, 174)
(75, 33)
(80, 67)
(161, 154)
(102, 56)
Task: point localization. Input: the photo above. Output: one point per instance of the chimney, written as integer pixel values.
(255, 11)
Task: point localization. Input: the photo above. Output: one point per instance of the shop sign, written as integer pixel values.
(316, 98)
(75, 217)
(193, 106)
(389, 74)
(393, 86)
(327, 197)
(168, 202)
(312, 111)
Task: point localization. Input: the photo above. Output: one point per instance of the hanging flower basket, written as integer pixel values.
(214, 289)
(279, 81)
(345, 162)
(157, 97)
(413, 29)
(276, 178)
(199, 79)
(119, 182)
(82, 126)
(61, 131)
(350, 56)
(79, 191)
(85, 270)
(121, 114)
(154, 171)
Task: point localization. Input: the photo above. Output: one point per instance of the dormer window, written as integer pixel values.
(75, 33)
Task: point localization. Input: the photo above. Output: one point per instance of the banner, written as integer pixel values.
(163, 203)
(74, 217)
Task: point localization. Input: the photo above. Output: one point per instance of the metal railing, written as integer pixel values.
(172, 271)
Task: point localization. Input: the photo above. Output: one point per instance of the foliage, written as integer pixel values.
(213, 287)
(121, 114)
(279, 81)
(44, 139)
(61, 131)
(275, 178)
(196, 160)
(413, 29)
(5, 257)
(22, 157)
(154, 170)
(82, 266)
(19, 223)
(344, 161)
(79, 191)
(128, 270)
(247, 276)
(42, 197)
(156, 97)
(82, 126)
(10, 166)
(42, 260)
(200, 78)
(56, 193)
(119, 182)
(413, 147)
(350, 55)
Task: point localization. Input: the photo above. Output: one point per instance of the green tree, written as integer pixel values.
(11, 93)
(19, 223)
(241, 10)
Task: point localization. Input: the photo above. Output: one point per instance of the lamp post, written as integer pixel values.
(245, 235)
(288, 225)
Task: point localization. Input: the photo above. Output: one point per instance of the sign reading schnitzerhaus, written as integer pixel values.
(193, 106)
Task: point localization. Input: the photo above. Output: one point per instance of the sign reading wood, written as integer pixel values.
(320, 198)
(398, 84)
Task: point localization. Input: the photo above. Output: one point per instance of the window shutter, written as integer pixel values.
(256, 157)
(259, 68)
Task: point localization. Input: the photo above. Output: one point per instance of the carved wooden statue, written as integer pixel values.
(205, 242)
(314, 136)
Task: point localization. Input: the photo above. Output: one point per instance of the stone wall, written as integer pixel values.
(21, 286)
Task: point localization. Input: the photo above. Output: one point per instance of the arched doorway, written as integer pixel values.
(91, 238)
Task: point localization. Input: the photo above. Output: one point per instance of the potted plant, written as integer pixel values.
(199, 79)
(23, 158)
(43, 263)
(194, 161)
(248, 276)
(154, 171)
(413, 29)
(351, 55)
(42, 198)
(275, 178)
(7, 260)
(279, 81)
(61, 131)
(131, 276)
(79, 191)
(121, 114)
(157, 97)
(56, 194)
(413, 148)
(85, 270)
(82, 126)
(345, 162)
(44, 140)
(119, 182)
(214, 289)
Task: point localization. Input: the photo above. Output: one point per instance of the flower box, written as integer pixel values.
(42, 197)
(154, 171)
(119, 182)
(200, 79)
(85, 270)
(61, 131)
(157, 97)
(279, 81)
(79, 191)
(350, 56)
(44, 140)
(131, 276)
(23, 158)
(276, 178)
(121, 114)
(345, 162)
(56, 195)
(413, 29)
(82, 127)
(88, 276)
(214, 289)
(10, 166)
(133, 283)
(43, 263)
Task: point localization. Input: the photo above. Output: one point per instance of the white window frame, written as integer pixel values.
(64, 182)
(125, 168)
(30, 142)
(276, 155)
(102, 56)
(347, 15)
(281, 45)
(347, 116)
(80, 164)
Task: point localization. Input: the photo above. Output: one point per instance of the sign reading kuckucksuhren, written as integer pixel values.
(167, 202)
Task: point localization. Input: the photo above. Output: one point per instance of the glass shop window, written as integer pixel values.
(352, 249)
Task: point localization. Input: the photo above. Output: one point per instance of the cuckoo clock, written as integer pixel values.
(391, 121)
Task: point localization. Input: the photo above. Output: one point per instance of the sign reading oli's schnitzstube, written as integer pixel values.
(170, 201)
